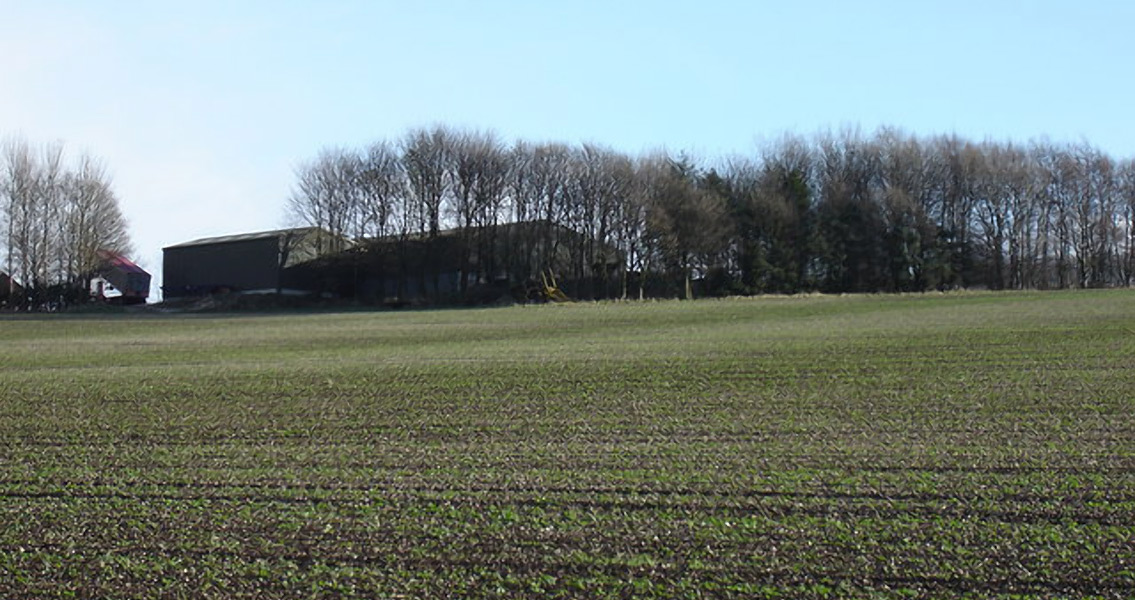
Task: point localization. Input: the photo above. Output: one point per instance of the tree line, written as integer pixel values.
(55, 216)
(834, 212)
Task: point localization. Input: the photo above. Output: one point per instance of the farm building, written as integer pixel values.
(456, 265)
(475, 264)
(118, 278)
(249, 262)
(9, 289)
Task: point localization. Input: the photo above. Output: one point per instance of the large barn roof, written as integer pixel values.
(243, 237)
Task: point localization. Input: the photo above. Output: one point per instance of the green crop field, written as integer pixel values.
(961, 445)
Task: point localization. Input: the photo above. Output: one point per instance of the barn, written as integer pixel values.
(248, 262)
(464, 265)
(456, 265)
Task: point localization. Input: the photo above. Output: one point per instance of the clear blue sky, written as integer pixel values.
(201, 110)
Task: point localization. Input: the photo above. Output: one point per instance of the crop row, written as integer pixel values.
(936, 446)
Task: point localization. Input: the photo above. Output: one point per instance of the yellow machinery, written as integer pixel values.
(551, 291)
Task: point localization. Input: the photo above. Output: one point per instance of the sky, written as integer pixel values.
(202, 111)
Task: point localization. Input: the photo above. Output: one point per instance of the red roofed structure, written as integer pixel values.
(132, 281)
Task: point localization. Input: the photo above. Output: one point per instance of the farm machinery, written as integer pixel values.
(547, 290)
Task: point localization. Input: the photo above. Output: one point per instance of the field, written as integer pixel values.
(959, 445)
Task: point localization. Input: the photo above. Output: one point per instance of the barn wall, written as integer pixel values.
(240, 265)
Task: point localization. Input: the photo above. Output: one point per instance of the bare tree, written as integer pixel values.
(994, 187)
(1095, 230)
(21, 208)
(688, 223)
(55, 220)
(521, 192)
(18, 187)
(549, 180)
(842, 212)
(489, 198)
(616, 186)
(480, 174)
(425, 158)
(327, 196)
(91, 221)
(519, 188)
(382, 183)
(25, 213)
(1126, 182)
(634, 235)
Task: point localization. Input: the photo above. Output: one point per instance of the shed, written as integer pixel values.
(130, 281)
(247, 262)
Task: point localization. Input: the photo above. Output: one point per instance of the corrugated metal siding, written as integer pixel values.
(237, 265)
